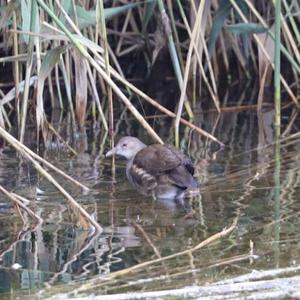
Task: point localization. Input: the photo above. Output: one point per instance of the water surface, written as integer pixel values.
(247, 178)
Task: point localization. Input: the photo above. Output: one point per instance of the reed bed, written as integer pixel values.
(73, 50)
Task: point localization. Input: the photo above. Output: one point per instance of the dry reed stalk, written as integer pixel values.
(12, 93)
(20, 204)
(45, 162)
(68, 88)
(103, 74)
(3, 117)
(100, 18)
(175, 32)
(61, 106)
(96, 96)
(295, 73)
(13, 58)
(29, 64)
(32, 42)
(291, 123)
(245, 20)
(81, 84)
(16, 67)
(174, 55)
(224, 53)
(21, 198)
(147, 238)
(68, 68)
(129, 49)
(65, 143)
(102, 29)
(160, 107)
(193, 271)
(51, 92)
(92, 73)
(263, 62)
(290, 38)
(186, 71)
(261, 89)
(73, 203)
(122, 32)
(126, 101)
(194, 43)
(203, 47)
(293, 23)
(209, 240)
(285, 26)
(115, 61)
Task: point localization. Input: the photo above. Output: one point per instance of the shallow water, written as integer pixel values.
(245, 179)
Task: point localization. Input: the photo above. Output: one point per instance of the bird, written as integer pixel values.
(161, 171)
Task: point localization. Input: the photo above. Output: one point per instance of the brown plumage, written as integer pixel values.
(155, 169)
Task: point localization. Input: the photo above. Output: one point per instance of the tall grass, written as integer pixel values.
(207, 41)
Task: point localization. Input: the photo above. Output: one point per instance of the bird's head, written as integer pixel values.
(127, 147)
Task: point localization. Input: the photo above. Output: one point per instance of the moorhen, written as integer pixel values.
(161, 171)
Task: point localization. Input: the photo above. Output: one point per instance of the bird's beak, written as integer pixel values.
(111, 152)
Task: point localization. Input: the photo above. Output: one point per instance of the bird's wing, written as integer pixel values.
(157, 159)
(184, 159)
(143, 180)
(166, 164)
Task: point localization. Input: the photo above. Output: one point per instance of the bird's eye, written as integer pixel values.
(124, 145)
